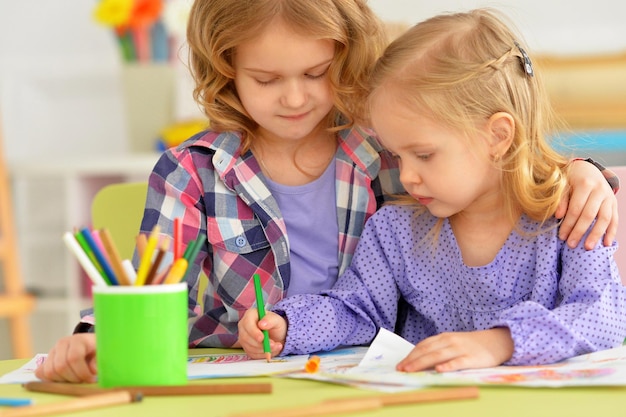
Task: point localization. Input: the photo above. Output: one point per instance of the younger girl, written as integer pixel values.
(471, 269)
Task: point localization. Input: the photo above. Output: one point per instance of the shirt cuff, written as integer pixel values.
(83, 327)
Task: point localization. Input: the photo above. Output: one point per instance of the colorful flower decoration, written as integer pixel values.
(146, 29)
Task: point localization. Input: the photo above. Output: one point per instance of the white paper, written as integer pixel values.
(240, 365)
(198, 367)
(376, 370)
(26, 373)
(386, 350)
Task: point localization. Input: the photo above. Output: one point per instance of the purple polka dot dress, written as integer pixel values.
(557, 302)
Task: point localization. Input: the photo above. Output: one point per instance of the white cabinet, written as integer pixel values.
(50, 198)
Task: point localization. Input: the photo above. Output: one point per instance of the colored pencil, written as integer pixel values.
(92, 258)
(160, 276)
(260, 305)
(114, 257)
(95, 234)
(355, 404)
(146, 258)
(83, 260)
(110, 275)
(140, 242)
(130, 271)
(192, 253)
(176, 272)
(178, 238)
(191, 389)
(155, 266)
(15, 402)
(65, 407)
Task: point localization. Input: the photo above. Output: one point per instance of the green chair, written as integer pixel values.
(119, 208)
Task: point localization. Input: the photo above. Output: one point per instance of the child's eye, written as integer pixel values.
(317, 76)
(264, 82)
(424, 156)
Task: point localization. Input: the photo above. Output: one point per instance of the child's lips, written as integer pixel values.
(295, 116)
(424, 200)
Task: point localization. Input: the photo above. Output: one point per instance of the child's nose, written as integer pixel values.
(409, 176)
(294, 94)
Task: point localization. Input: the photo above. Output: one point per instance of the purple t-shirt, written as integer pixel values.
(310, 214)
(557, 302)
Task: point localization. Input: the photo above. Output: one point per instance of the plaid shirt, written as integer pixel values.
(221, 194)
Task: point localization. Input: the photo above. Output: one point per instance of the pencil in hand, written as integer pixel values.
(260, 305)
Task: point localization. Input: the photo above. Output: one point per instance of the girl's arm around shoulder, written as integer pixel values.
(591, 201)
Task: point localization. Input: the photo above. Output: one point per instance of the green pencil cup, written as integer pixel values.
(141, 335)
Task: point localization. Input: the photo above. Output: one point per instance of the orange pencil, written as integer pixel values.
(176, 272)
(114, 257)
(141, 241)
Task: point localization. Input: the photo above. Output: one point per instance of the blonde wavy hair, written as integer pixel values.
(461, 69)
(217, 27)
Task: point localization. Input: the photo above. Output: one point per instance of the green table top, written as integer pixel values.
(287, 393)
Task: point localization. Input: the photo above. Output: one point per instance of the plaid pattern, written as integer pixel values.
(221, 194)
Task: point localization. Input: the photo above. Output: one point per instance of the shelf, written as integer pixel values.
(52, 197)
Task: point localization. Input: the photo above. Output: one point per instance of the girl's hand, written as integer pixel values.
(590, 198)
(460, 350)
(251, 333)
(72, 359)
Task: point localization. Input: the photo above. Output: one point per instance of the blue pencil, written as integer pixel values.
(15, 402)
(108, 271)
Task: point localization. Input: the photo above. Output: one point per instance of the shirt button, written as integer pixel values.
(240, 241)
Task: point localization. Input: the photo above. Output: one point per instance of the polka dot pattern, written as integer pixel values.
(558, 302)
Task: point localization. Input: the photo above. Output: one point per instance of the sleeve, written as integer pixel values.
(364, 299)
(588, 314)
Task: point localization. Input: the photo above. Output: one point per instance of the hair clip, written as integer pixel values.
(527, 64)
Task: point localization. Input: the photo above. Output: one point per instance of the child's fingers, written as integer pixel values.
(275, 325)
(70, 360)
(426, 354)
(248, 329)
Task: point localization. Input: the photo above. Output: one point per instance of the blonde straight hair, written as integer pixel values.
(462, 68)
(217, 27)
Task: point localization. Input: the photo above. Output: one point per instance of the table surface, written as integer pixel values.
(493, 401)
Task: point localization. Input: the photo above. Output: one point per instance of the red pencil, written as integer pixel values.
(178, 238)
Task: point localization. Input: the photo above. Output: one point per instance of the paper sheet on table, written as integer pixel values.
(198, 366)
(360, 366)
(26, 373)
(240, 365)
(377, 371)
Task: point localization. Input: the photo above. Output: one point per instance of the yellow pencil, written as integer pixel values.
(146, 258)
(177, 271)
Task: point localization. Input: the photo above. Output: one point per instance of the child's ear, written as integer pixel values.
(501, 129)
